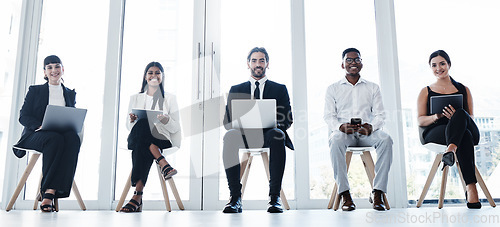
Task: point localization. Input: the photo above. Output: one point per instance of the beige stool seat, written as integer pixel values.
(367, 160)
(34, 158)
(164, 189)
(439, 149)
(246, 163)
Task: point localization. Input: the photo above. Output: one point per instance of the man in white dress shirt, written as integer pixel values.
(354, 97)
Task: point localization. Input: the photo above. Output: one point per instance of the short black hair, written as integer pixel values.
(352, 49)
(258, 49)
(51, 59)
(441, 53)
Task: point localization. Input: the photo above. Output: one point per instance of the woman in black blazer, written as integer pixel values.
(60, 148)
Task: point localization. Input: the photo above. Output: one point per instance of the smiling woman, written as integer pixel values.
(167, 48)
(461, 41)
(69, 40)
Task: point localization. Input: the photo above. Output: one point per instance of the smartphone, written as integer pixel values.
(355, 121)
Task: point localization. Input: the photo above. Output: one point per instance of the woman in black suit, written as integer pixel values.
(60, 148)
(454, 127)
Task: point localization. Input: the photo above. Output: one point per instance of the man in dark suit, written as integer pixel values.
(258, 87)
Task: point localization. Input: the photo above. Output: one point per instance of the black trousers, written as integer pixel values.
(463, 132)
(139, 140)
(60, 156)
(254, 138)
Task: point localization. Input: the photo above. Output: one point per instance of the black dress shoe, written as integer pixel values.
(348, 204)
(472, 205)
(274, 205)
(234, 205)
(377, 200)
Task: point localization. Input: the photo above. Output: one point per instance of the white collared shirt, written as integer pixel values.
(262, 83)
(344, 101)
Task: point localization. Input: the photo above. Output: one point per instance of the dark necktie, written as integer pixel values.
(256, 93)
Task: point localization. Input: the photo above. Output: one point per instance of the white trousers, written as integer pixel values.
(380, 140)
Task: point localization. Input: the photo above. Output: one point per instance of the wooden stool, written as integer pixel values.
(439, 149)
(246, 163)
(34, 158)
(171, 182)
(367, 159)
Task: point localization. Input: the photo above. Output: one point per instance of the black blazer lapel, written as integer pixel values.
(44, 96)
(69, 96)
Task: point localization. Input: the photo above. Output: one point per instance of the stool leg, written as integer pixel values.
(124, 193)
(38, 196)
(243, 164)
(484, 188)
(265, 160)
(164, 189)
(22, 181)
(443, 187)
(348, 157)
(432, 173)
(460, 173)
(333, 196)
(284, 200)
(367, 159)
(176, 193)
(246, 172)
(78, 196)
(337, 201)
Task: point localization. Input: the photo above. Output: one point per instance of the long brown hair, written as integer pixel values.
(159, 95)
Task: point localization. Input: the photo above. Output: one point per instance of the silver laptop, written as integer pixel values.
(63, 118)
(439, 102)
(253, 114)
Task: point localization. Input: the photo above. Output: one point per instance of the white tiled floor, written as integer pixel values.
(448, 216)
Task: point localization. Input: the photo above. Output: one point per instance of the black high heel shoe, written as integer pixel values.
(167, 170)
(48, 207)
(448, 159)
(133, 206)
(472, 205)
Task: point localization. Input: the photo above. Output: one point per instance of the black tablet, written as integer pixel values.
(439, 102)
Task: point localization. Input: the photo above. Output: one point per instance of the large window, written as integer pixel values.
(332, 27)
(80, 42)
(467, 32)
(9, 29)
